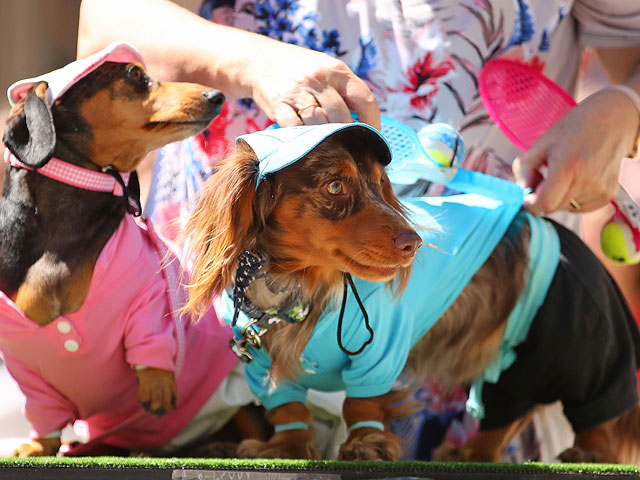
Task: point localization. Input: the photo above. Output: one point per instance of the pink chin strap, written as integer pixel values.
(73, 175)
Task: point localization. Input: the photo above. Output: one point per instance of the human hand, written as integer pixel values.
(179, 45)
(296, 86)
(582, 152)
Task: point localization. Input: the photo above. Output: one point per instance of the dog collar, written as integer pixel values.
(249, 329)
(250, 267)
(108, 181)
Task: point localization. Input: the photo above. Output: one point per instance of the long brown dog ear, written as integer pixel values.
(30, 133)
(221, 227)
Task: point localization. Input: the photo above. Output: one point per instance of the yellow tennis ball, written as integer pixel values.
(616, 241)
(440, 157)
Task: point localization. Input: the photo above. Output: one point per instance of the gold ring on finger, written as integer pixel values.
(305, 107)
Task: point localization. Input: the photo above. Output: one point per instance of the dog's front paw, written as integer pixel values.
(216, 449)
(448, 452)
(156, 390)
(290, 444)
(41, 447)
(579, 455)
(371, 446)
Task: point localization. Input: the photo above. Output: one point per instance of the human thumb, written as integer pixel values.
(528, 168)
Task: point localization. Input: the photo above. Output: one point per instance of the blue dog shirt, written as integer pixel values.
(459, 232)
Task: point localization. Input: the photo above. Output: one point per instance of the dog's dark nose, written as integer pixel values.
(407, 242)
(215, 99)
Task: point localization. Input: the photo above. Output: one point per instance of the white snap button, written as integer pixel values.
(71, 345)
(64, 326)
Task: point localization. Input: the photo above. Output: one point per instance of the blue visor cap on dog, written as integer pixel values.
(277, 148)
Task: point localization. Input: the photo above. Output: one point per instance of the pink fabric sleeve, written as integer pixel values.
(608, 23)
(45, 408)
(150, 338)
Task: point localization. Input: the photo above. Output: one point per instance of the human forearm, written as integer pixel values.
(291, 84)
(176, 44)
(622, 66)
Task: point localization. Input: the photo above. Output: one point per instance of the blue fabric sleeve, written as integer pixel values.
(257, 375)
(374, 371)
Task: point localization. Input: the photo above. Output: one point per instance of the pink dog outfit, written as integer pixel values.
(80, 367)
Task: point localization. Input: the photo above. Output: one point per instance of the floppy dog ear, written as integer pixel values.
(221, 227)
(30, 133)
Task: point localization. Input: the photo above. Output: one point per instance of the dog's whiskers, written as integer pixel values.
(356, 257)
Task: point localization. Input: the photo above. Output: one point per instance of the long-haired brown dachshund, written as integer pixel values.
(283, 225)
(72, 334)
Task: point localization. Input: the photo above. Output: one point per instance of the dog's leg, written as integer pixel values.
(486, 446)
(251, 422)
(39, 447)
(596, 445)
(627, 435)
(156, 390)
(367, 442)
(615, 441)
(287, 443)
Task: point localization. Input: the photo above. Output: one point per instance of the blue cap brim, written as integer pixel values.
(277, 148)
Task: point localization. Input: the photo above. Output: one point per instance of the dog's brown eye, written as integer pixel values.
(334, 188)
(135, 73)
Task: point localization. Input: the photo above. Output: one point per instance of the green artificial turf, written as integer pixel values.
(319, 466)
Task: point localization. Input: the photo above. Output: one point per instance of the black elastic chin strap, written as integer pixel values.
(347, 278)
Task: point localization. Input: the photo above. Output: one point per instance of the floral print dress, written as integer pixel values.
(421, 59)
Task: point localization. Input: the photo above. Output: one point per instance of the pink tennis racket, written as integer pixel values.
(521, 100)
(524, 104)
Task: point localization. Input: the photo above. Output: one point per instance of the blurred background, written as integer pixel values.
(36, 36)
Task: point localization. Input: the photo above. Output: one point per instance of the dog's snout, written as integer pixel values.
(407, 242)
(215, 98)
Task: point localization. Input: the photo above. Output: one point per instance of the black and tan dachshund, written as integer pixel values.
(52, 233)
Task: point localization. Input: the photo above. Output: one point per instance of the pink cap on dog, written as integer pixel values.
(61, 79)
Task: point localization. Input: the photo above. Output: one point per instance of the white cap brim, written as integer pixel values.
(62, 79)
